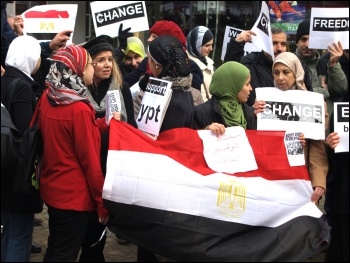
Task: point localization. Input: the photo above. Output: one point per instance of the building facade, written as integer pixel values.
(215, 15)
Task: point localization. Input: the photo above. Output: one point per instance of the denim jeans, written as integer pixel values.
(16, 238)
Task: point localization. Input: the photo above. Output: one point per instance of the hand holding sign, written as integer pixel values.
(336, 50)
(123, 36)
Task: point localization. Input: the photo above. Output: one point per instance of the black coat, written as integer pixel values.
(128, 102)
(209, 112)
(21, 111)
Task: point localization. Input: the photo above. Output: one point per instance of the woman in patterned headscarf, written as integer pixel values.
(71, 177)
(168, 60)
(199, 44)
(230, 89)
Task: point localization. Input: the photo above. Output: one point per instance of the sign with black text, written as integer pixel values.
(232, 32)
(108, 15)
(341, 125)
(113, 104)
(296, 110)
(154, 104)
(327, 26)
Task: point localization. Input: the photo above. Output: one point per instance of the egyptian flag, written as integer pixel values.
(163, 197)
(43, 22)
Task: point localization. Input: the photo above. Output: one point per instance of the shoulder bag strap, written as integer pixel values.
(8, 99)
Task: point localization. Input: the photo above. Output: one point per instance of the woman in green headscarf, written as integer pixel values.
(230, 89)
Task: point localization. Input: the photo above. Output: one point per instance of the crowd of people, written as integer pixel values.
(70, 89)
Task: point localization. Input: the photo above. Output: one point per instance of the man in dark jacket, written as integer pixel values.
(260, 63)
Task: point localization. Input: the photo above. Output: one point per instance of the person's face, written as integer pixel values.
(132, 60)
(244, 93)
(155, 68)
(283, 76)
(303, 47)
(279, 42)
(151, 38)
(207, 48)
(88, 74)
(104, 66)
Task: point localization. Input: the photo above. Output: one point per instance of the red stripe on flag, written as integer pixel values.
(47, 14)
(184, 146)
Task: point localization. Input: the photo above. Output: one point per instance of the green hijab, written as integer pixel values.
(226, 83)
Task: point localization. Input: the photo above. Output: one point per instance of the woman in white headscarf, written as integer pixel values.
(17, 211)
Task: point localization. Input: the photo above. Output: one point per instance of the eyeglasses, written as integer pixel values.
(93, 64)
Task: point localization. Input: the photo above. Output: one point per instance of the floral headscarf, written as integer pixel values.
(65, 77)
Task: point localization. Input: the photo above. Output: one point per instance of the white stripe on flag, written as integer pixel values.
(157, 181)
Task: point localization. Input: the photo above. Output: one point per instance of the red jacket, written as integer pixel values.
(71, 176)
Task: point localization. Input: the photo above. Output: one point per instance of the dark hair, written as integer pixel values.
(168, 51)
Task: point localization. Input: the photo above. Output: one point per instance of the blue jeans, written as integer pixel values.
(16, 238)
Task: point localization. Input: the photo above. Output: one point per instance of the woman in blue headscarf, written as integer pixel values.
(199, 44)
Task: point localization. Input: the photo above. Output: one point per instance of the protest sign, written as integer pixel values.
(154, 104)
(113, 104)
(108, 15)
(43, 22)
(341, 125)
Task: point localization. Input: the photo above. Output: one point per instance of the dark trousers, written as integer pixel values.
(144, 255)
(67, 231)
(93, 244)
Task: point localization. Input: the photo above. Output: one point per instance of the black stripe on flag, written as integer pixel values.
(42, 36)
(189, 238)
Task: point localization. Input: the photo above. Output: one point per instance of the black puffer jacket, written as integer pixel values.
(209, 112)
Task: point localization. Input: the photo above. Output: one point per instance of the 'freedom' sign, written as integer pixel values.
(107, 16)
(328, 25)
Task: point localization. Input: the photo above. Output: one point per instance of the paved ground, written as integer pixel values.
(113, 251)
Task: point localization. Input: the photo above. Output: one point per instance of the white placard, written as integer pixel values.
(153, 107)
(229, 153)
(113, 104)
(341, 125)
(44, 21)
(295, 110)
(262, 29)
(108, 15)
(232, 32)
(328, 25)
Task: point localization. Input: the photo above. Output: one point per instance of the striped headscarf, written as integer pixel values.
(65, 77)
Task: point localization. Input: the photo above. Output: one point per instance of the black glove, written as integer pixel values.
(123, 36)
(144, 81)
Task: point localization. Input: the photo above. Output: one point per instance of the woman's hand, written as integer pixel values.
(116, 115)
(259, 106)
(333, 139)
(302, 139)
(318, 192)
(216, 128)
(103, 220)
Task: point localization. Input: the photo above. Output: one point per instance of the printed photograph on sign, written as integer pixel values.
(286, 14)
(295, 110)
